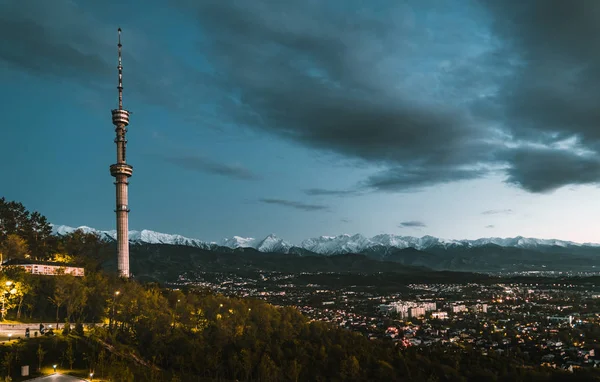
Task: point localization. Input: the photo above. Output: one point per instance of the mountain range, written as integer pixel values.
(481, 255)
(328, 245)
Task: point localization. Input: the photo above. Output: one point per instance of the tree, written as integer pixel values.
(34, 228)
(14, 247)
(85, 248)
(37, 234)
(101, 362)
(76, 295)
(40, 355)
(267, 369)
(8, 361)
(78, 330)
(69, 355)
(8, 295)
(294, 370)
(350, 369)
(20, 286)
(13, 218)
(66, 328)
(61, 293)
(22, 290)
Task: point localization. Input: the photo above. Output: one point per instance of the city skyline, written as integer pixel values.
(309, 119)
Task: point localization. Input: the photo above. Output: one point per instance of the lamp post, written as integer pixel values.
(4, 292)
(112, 315)
(54, 367)
(91, 376)
(174, 315)
(175, 312)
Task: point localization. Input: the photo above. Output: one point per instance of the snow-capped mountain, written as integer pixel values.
(270, 243)
(238, 242)
(327, 245)
(330, 245)
(135, 237)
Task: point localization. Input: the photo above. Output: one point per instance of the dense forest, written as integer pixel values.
(146, 332)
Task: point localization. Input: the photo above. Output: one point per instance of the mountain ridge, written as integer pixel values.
(327, 245)
(487, 255)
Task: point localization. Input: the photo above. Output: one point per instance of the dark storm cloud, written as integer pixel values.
(544, 170)
(202, 164)
(412, 224)
(62, 39)
(556, 86)
(555, 90)
(333, 78)
(294, 204)
(496, 212)
(340, 79)
(32, 42)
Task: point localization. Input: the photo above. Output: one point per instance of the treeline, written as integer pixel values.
(22, 232)
(152, 333)
(28, 235)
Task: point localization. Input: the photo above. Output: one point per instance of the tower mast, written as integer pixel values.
(121, 171)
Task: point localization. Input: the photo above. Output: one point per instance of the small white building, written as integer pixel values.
(47, 268)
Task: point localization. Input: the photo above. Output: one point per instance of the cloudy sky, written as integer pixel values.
(458, 119)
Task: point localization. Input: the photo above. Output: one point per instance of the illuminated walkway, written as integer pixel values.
(56, 378)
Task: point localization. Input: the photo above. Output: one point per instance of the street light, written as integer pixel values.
(113, 309)
(8, 284)
(91, 376)
(54, 366)
(175, 314)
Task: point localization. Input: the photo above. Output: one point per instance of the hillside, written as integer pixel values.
(161, 262)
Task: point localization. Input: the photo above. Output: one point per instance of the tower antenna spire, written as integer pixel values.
(120, 67)
(121, 171)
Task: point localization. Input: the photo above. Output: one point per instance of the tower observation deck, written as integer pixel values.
(121, 171)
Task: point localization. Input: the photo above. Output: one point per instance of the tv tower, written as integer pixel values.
(121, 171)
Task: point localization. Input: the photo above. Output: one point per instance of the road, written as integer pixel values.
(14, 331)
(6, 332)
(56, 378)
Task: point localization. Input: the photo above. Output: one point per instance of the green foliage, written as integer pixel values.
(40, 356)
(66, 329)
(8, 361)
(78, 330)
(69, 355)
(85, 249)
(33, 228)
(14, 247)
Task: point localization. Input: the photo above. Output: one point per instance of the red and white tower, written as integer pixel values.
(121, 171)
